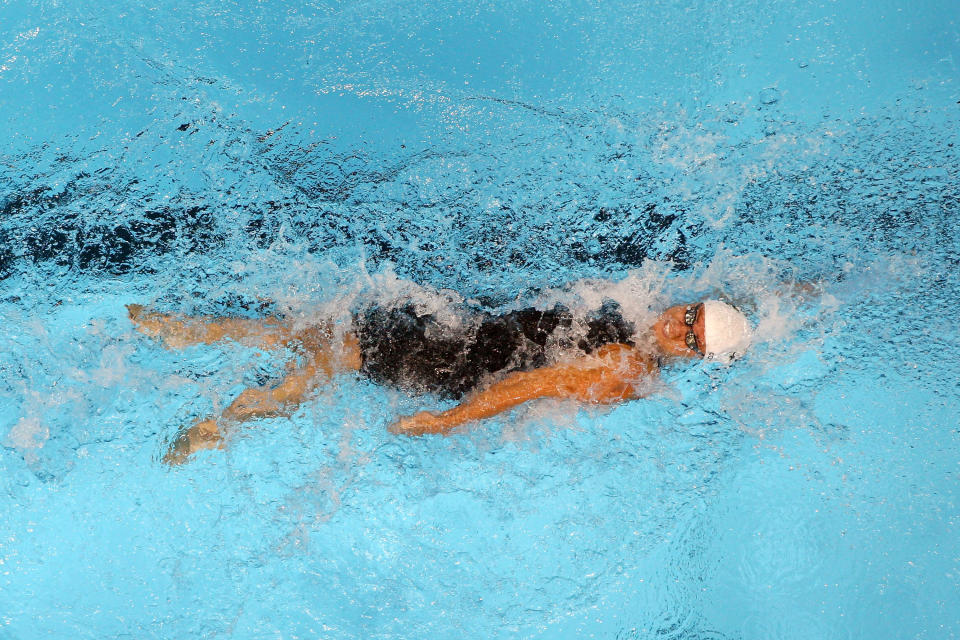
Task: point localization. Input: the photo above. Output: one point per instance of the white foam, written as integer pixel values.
(28, 436)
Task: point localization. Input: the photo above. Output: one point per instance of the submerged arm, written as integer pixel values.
(322, 359)
(608, 376)
(262, 402)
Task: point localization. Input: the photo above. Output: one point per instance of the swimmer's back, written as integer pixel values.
(411, 350)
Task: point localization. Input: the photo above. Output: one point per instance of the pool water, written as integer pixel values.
(301, 158)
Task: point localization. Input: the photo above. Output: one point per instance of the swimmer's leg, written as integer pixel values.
(178, 331)
(325, 356)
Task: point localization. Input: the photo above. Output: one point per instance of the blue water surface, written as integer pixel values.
(297, 158)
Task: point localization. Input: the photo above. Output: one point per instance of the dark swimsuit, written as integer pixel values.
(405, 349)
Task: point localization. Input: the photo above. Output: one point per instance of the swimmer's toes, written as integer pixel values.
(155, 325)
(143, 321)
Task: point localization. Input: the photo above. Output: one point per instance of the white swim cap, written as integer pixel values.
(726, 331)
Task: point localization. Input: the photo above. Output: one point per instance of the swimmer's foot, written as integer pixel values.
(202, 435)
(175, 333)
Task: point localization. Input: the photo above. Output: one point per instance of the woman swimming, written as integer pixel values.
(491, 363)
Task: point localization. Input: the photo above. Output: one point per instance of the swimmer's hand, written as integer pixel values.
(419, 424)
(202, 435)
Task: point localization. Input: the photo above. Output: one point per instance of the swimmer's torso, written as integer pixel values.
(415, 351)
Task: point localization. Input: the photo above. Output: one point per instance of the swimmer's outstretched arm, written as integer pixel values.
(610, 375)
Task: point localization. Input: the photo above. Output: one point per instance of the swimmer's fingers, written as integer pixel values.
(417, 425)
(179, 450)
(202, 435)
(406, 425)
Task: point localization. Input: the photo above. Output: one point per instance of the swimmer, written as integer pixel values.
(490, 364)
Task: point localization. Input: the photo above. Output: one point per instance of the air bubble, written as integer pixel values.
(770, 95)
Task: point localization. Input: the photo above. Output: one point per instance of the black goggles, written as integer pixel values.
(690, 318)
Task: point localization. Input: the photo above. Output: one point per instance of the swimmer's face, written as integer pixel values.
(671, 329)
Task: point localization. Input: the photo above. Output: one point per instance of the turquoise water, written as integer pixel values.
(246, 158)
